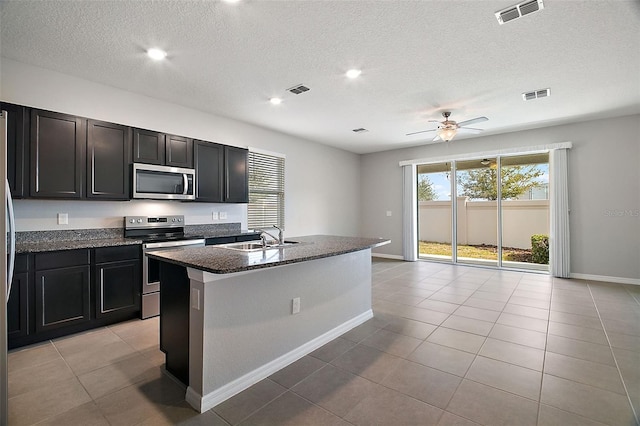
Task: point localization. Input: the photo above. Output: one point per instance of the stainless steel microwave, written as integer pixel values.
(163, 182)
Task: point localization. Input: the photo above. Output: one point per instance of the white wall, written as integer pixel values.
(322, 183)
(604, 190)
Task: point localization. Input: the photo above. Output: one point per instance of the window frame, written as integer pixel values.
(269, 192)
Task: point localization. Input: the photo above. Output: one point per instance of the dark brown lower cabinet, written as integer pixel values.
(62, 297)
(18, 304)
(63, 292)
(117, 281)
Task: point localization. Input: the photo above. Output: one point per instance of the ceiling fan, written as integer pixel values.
(447, 129)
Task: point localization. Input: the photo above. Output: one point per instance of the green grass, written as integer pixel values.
(476, 252)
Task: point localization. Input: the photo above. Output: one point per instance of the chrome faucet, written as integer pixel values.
(279, 239)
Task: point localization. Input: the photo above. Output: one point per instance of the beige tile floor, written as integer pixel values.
(449, 345)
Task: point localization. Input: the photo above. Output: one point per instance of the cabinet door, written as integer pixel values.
(236, 175)
(148, 147)
(62, 297)
(179, 151)
(17, 306)
(57, 155)
(108, 159)
(17, 128)
(209, 164)
(118, 287)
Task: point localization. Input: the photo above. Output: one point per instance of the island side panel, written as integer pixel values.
(246, 321)
(174, 319)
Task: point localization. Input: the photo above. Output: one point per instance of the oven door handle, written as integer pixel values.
(185, 184)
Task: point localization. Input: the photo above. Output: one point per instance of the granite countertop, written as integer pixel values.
(219, 260)
(55, 245)
(44, 241)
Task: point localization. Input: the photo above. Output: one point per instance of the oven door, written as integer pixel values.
(151, 273)
(162, 182)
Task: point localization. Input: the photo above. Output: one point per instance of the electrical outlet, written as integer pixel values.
(223, 215)
(214, 215)
(63, 218)
(388, 213)
(195, 299)
(295, 306)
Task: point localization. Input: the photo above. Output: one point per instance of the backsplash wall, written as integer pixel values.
(42, 215)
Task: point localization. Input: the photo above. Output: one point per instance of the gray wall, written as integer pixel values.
(604, 190)
(322, 183)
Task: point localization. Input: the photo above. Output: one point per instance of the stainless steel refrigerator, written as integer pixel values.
(7, 230)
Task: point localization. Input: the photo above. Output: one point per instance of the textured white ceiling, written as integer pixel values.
(418, 58)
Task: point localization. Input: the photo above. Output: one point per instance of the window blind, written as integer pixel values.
(266, 191)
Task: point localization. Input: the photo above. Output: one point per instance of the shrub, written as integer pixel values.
(540, 249)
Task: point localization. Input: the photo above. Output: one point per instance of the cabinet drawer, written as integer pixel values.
(114, 254)
(22, 263)
(62, 259)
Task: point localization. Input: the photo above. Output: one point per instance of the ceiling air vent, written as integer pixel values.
(297, 89)
(360, 130)
(536, 94)
(519, 10)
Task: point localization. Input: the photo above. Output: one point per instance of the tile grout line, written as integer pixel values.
(615, 359)
(544, 352)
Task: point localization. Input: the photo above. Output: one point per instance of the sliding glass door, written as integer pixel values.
(477, 211)
(434, 211)
(490, 211)
(524, 211)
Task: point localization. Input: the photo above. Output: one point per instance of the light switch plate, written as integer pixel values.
(388, 213)
(214, 215)
(223, 215)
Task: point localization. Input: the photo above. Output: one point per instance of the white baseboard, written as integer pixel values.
(387, 256)
(618, 280)
(210, 400)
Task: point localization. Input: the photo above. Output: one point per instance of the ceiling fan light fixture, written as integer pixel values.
(446, 133)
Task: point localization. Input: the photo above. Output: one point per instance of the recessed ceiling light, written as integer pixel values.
(354, 73)
(275, 101)
(156, 54)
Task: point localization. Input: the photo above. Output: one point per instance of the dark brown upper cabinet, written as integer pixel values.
(151, 147)
(108, 160)
(148, 147)
(17, 131)
(209, 164)
(236, 166)
(58, 143)
(179, 151)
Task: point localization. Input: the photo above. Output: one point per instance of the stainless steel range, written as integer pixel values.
(158, 233)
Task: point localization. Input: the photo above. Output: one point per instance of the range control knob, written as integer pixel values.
(139, 220)
(132, 221)
(179, 219)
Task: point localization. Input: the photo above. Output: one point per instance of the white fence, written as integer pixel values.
(477, 221)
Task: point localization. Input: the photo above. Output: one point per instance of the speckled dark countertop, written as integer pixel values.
(219, 260)
(70, 239)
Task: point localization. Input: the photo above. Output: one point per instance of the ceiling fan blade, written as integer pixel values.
(472, 121)
(421, 131)
(470, 130)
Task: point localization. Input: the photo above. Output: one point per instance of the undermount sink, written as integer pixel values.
(255, 246)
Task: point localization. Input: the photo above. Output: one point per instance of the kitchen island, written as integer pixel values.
(234, 310)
